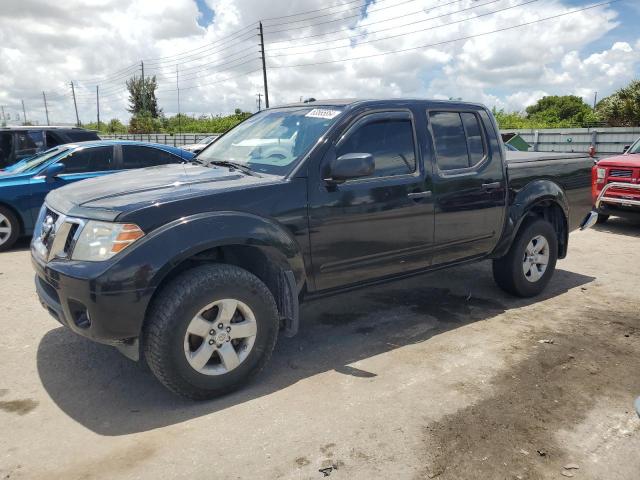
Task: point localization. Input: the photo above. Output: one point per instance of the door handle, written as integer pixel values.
(418, 195)
(491, 186)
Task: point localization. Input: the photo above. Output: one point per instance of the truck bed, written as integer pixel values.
(572, 171)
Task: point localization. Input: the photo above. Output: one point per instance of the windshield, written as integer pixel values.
(31, 163)
(635, 148)
(273, 140)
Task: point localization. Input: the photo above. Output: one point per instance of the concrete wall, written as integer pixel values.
(608, 141)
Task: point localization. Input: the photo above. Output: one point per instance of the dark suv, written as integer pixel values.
(17, 143)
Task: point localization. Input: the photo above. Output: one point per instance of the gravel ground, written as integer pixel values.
(441, 376)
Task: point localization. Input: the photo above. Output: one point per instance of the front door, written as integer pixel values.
(379, 225)
(469, 184)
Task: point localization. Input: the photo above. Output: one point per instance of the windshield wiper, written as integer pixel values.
(233, 165)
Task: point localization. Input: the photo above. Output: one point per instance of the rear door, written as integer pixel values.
(469, 183)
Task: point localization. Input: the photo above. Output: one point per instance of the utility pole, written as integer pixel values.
(264, 68)
(595, 100)
(144, 102)
(98, 104)
(75, 104)
(259, 101)
(46, 110)
(24, 114)
(178, 88)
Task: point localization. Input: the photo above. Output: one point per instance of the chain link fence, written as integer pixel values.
(177, 140)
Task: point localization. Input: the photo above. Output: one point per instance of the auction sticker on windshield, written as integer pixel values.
(323, 113)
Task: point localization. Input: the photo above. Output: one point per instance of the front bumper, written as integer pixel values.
(89, 302)
(614, 203)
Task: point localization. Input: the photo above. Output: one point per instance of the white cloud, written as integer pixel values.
(44, 45)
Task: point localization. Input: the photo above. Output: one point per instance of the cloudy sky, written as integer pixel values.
(318, 48)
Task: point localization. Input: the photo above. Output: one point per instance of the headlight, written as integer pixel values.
(600, 174)
(102, 240)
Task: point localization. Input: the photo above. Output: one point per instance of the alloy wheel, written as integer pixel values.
(220, 337)
(536, 258)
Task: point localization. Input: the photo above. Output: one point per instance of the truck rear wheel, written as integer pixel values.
(210, 330)
(602, 218)
(529, 265)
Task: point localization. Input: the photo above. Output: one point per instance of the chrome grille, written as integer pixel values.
(55, 234)
(620, 173)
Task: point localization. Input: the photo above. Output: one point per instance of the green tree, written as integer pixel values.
(144, 122)
(142, 96)
(560, 111)
(622, 108)
(114, 126)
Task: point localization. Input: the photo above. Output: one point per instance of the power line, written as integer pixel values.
(191, 76)
(336, 20)
(244, 74)
(318, 10)
(448, 41)
(172, 57)
(205, 53)
(417, 31)
(210, 65)
(401, 26)
(324, 34)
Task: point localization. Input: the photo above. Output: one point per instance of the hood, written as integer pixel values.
(624, 160)
(108, 196)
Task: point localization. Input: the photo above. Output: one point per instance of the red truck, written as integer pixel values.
(615, 185)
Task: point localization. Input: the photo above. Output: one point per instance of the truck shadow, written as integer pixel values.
(111, 395)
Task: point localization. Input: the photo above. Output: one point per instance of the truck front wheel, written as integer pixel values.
(210, 330)
(529, 265)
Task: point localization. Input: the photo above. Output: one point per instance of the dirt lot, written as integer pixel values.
(442, 376)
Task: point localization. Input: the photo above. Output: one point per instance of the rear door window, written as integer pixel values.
(29, 142)
(138, 156)
(96, 159)
(458, 138)
(475, 142)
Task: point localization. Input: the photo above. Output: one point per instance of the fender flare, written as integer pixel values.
(536, 193)
(192, 235)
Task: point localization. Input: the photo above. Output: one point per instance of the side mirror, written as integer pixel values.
(351, 165)
(625, 148)
(52, 171)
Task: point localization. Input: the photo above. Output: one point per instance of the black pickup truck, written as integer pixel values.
(199, 267)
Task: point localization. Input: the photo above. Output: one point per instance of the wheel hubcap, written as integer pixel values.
(5, 229)
(536, 258)
(220, 337)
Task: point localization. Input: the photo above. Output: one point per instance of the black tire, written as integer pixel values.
(602, 218)
(508, 270)
(12, 223)
(179, 301)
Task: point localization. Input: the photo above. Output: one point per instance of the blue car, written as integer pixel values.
(24, 185)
